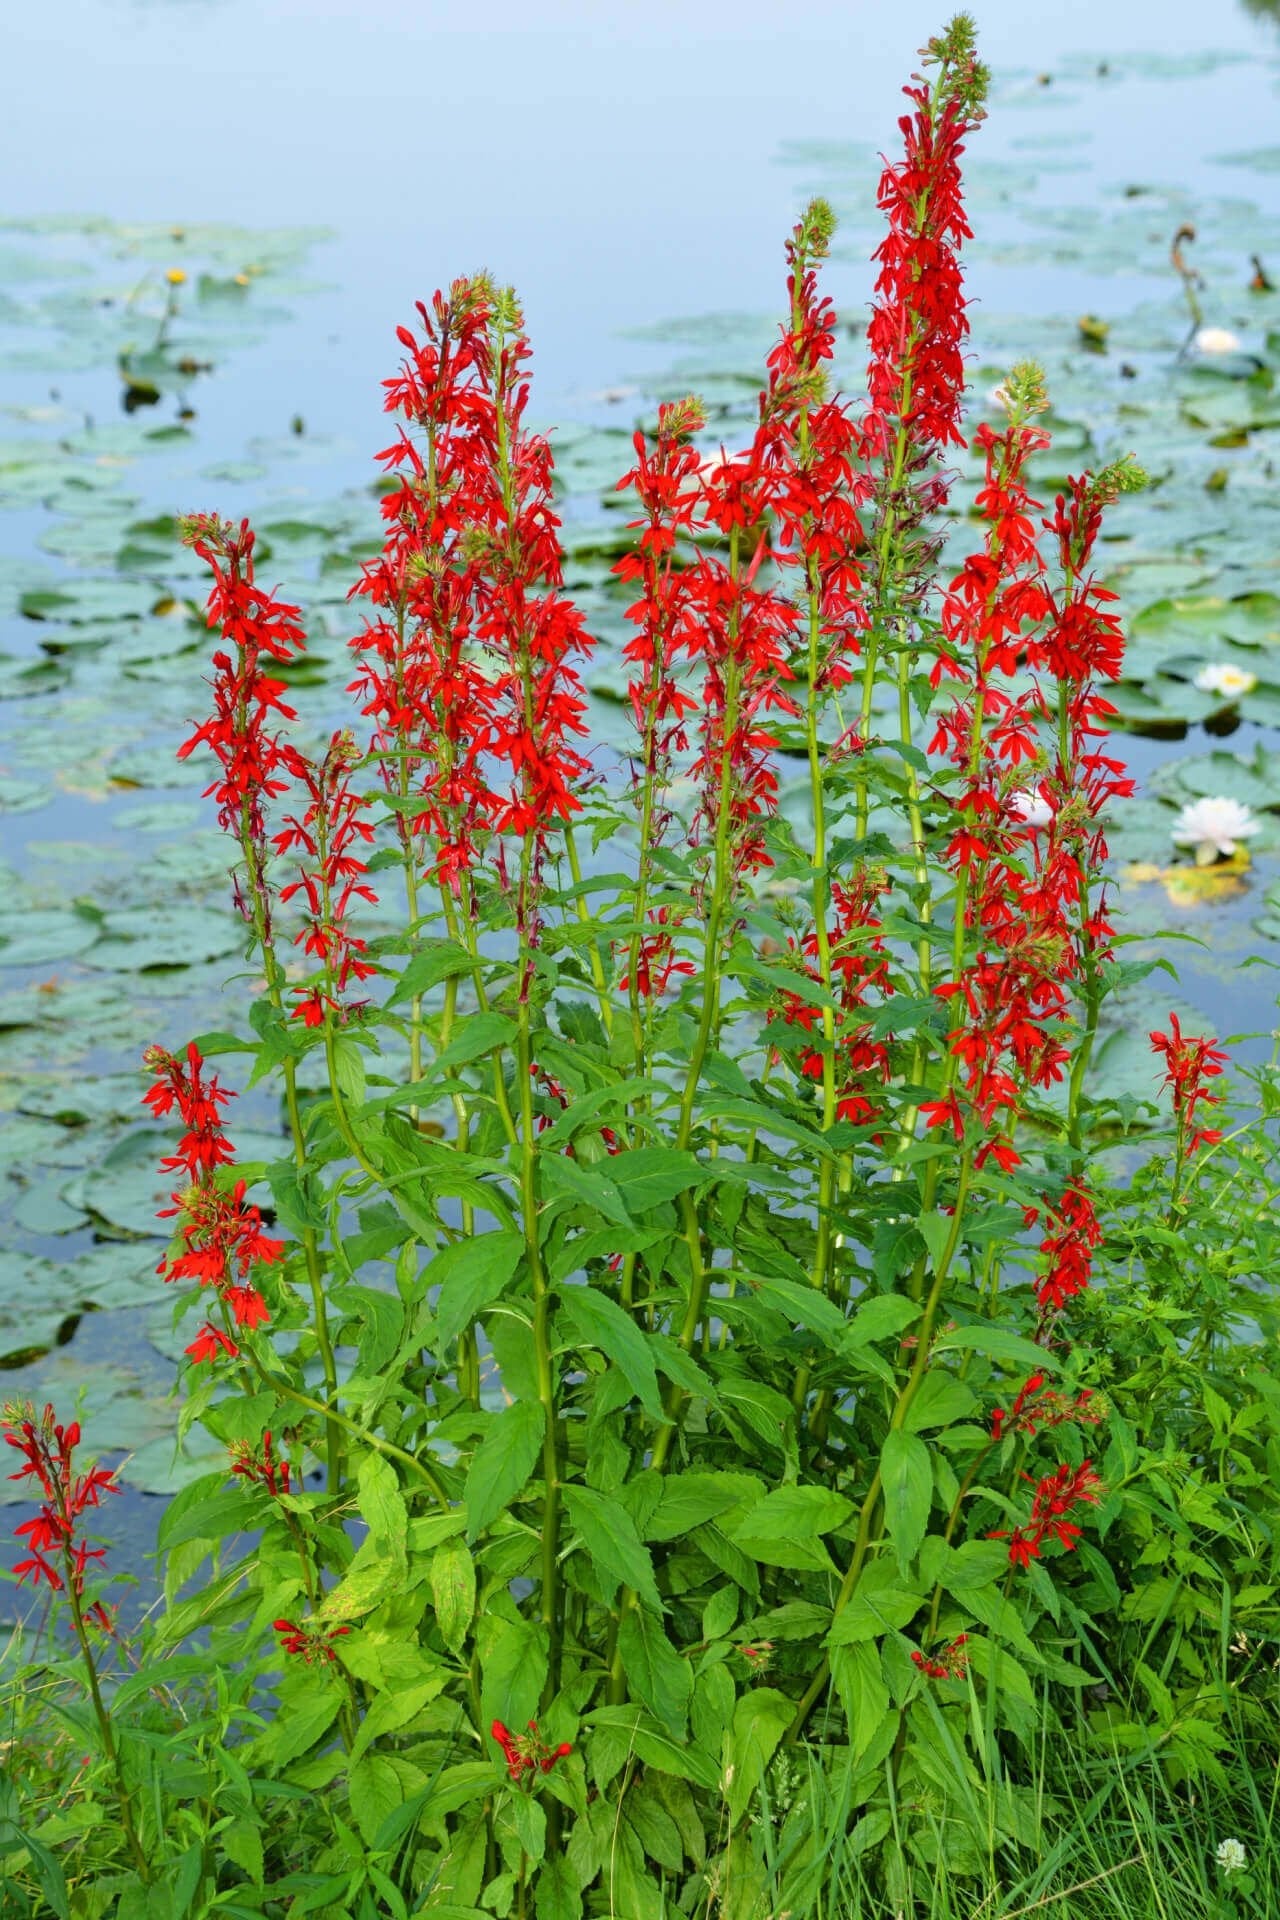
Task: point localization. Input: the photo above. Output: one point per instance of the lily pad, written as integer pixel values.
(34, 939)
(138, 939)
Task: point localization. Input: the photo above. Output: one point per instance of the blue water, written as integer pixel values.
(616, 163)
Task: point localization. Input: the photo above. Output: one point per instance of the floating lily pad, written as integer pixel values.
(1254, 781)
(138, 939)
(34, 939)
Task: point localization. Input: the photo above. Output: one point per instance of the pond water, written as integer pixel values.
(311, 176)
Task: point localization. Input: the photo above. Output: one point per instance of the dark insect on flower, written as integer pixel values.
(952, 1663)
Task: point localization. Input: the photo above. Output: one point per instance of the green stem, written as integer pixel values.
(907, 1393)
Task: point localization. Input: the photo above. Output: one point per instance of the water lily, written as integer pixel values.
(1215, 340)
(1213, 826)
(1230, 682)
(1030, 806)
(1232, 1856)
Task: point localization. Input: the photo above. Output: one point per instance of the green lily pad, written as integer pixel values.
(1254, 781)
(34, 939)
(138, 939)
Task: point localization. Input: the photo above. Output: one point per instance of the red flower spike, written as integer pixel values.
(220, 1235)
(256, 764)
(1189, 1061)
(51, 1534)
(1056, 1497)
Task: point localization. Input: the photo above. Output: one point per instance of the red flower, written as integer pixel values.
(1068, 1248)
(220, 1234)
(48, 1453)
(260, 1469)
(210, 1344)
(525, 1752)
(327, 833)
(1038, 1405)
(1189, 1062)
(314, 1643)
(256, 764)
(1056, 1497)
(951, 1664)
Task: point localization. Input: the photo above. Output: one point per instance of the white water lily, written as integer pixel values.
(1215, 340)
(1213, 826)
(1030, 806)
(1232, 1856)
(1231, 682)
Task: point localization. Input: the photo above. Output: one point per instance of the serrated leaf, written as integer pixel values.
(471, 1274)
(617, 1552)
(453, 1590)
(906, 1479)
(601, 1322)
(503, 1462)
(760, 1719)
(939, 1401)
(785, 1529)
(656, 1674)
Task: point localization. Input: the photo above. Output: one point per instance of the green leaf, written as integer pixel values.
(602, 1323)
(760, 1719)
(478, 1034)
(879, 1604)
(880, 1315)
(471, 1274)
(434, 961)
(640, 1735)
(376, 1791)
(555, 1893)
(530, 1822)
(648, 1176)
(453, 1589)
(382, 1505)
(615, 1548)
(859, 1681)
(785, 1529)
(690, 1499)
(999, 1344)
(656, 1675)
(906, 1478)
(503, 1462)
(807, 1306)
(939, 1401)
(592, 1187)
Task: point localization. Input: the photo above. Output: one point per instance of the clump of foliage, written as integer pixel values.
(680, 1459)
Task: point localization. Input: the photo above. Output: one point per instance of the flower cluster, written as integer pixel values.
(313, 1643)
(916, 375)
(1038, 1405)
(859, 964)
(525, 1752)
(261, 1467)
(1056, 1497)
(221, 1235)
(256, 764)
(48, 1451)
(952, 1663)
(819, 488)
(1189, 1061)
(327, 834)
